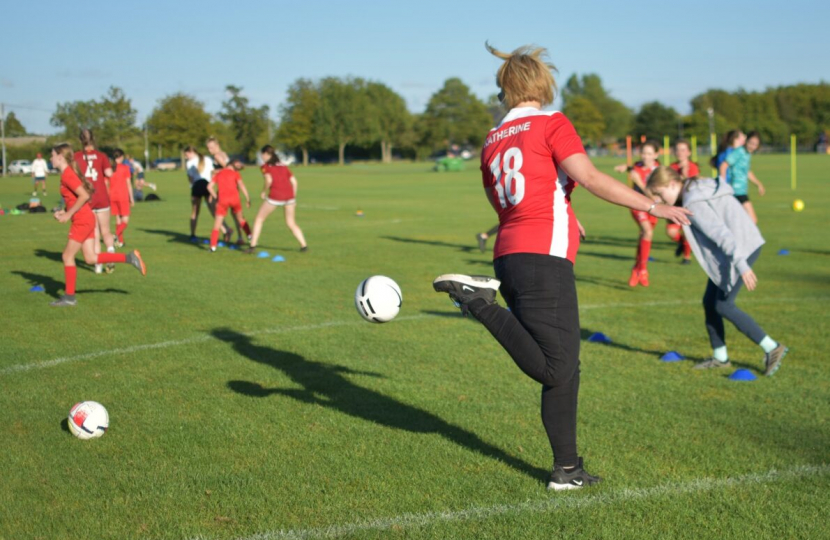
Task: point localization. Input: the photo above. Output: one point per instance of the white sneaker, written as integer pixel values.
(99, 268)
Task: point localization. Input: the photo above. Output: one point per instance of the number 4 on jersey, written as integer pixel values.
(510, 186)
(90, 171)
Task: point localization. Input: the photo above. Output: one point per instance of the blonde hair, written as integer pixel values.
(662, 176)
(525, 75)
(64, 150)
(201, 166)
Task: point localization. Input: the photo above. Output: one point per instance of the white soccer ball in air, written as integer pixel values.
(378, 299)
(88, 420)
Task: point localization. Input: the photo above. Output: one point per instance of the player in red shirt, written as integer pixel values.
(280, 190)
(76, 192)
(96, 168)
(638, 175)
(121, 195)
(221, 160)
(687, 169)
(530, 165)
(229, 183)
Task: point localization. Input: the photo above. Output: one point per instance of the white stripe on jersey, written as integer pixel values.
(559, 239)
(523, 112)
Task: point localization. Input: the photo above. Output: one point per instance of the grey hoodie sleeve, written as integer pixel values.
(707, 221)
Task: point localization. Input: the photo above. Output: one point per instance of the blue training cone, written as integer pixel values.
(599, 337)
(37, 288)
(194, 240)
(278, 258)
(206, 241)
(651, 259)
(743, 375)
(672, 356)
(264, 255)
(231, 246)
(221, 244)
(783, 251)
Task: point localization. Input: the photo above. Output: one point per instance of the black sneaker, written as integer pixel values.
(685, 262)
(464, 289)
(134, 258)
(304, 249)
(678, 251)
(576, 478)
(772, 360)
(250, 251)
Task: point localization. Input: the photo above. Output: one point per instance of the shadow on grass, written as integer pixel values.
(602, 282)
(460, 247)
(626, 241)
(51, 286)
(324, 385)
(174, 236)
(57, 256)
(65, 425)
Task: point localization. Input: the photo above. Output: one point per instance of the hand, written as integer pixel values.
(211, 199)
(750, 280)
(62, 216)
(132, 203)
(761, 189)
(262, 196)
(675, 214)
(621, 168)
(248, 203)
(581, 230)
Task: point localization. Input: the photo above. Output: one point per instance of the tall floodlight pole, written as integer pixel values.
(711, 112)
(3, 134)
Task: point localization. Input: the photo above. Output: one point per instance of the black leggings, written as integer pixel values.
(717, 305)
(541, 334)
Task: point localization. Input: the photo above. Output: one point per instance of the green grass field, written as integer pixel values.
(249, 400)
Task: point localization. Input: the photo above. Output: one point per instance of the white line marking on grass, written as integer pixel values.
(21, 368)
(552, 504)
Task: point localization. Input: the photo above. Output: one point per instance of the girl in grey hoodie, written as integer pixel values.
(726, 243)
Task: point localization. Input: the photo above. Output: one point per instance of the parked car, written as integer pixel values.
(20, 166)
(166, 164)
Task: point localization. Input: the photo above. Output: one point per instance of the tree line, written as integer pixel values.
(338, 115)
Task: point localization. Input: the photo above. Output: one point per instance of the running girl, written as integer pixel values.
(229, 183)
(730, 141)
(76, 191)
(530, 164)
(96, 168)
(726, 244)
(121, 195)
(638, 174)
(686, 168)
(280, 190)
(739, 172)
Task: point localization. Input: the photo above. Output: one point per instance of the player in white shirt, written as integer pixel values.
(40, 170)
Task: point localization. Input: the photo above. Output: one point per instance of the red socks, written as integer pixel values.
(643, 251)
(104, 258)
(71, 273)
(687, 248)
(244, 225)
(119, 232)
(214, 238)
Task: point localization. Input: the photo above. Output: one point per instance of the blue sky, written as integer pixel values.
(53, 52)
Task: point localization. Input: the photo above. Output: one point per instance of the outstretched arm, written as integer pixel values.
(245, 191)
(758, 184)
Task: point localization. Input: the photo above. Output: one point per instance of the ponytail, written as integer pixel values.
(201, 166)
(87, 138)
(268, 149)
(65, 151)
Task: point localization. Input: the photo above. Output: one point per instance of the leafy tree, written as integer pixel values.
(13, 126)
(296, 127)
(454, 115)
(179, 120)
(655, 120)
(249, 125)
(112, 118)
(389, 118)
(615, 115)
(342, 115)
(586, 118)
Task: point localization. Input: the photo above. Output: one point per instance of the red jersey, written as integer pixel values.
(69, 189)
(643, 172)
(692, 172)
(532, 194)
(281, 187)
(226, 180)
(120, 184)
(93, 164)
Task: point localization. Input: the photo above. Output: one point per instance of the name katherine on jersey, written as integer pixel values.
(508, 132)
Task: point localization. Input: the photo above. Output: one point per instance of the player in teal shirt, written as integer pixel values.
(739, 161)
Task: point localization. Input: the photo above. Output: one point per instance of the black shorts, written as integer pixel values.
(199, 188)
(742, 198)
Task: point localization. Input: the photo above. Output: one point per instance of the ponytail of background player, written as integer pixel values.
(686, 168)
(726, 244)
(638, 174)
(121, 195)
(76, 190)
(96, 168)
(229, 183)
(530, 165)
(280, 189)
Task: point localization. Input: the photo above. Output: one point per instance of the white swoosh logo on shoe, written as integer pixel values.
(578, 482)
(465, 288)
